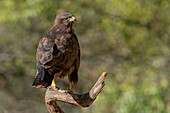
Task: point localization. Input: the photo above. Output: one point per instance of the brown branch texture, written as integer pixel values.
(54, 94)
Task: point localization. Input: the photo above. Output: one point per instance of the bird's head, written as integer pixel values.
(64, 19)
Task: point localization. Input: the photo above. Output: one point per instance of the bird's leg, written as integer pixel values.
(70, 90)
(53, 83)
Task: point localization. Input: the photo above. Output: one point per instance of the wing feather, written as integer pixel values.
(45, 50)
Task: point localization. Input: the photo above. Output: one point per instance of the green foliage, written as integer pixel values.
(127, 38)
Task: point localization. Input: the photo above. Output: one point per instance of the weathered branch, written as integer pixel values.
(84, 100)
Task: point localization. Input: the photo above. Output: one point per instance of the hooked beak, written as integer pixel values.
(73, 18)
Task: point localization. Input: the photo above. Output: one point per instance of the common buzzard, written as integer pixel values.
(58, 53)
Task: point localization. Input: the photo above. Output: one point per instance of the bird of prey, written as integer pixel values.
(58, 53)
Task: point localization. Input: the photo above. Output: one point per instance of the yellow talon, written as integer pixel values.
(53, 83)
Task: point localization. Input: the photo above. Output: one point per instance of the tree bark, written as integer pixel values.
(54, 94)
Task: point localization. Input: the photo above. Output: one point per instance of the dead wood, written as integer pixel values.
(54, 94)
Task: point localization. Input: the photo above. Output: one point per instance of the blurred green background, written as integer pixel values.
(130, 39)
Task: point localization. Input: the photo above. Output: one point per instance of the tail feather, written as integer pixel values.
(43, 78)
(74, 77)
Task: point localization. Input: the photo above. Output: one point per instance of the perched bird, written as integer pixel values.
(58, 53)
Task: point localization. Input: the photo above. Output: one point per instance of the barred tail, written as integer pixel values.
(43, 78)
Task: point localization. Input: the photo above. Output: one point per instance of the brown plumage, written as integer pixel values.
(58, 53)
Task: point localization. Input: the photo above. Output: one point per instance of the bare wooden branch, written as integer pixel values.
(54, 94)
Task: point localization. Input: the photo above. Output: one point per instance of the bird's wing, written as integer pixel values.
(77, 63)
(45, 51)
(74, 75)
(78, 59)
(44, 56)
